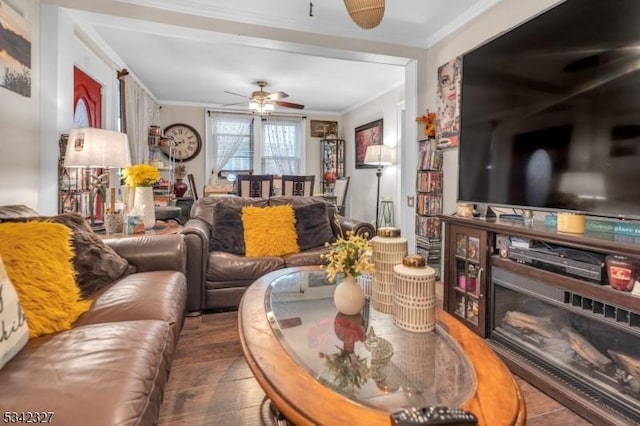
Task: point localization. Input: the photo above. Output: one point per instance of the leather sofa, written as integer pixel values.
(112, 366)
(217, 279)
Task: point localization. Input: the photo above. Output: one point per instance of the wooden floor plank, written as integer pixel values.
(210, 382)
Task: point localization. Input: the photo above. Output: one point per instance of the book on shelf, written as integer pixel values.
(429, 181)
(429, 158)
(428, 226)
(427, 243)
(429, 204)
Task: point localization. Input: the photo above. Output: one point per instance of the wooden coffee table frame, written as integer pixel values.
(304, 400)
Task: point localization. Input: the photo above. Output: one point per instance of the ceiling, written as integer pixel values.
(189, 52)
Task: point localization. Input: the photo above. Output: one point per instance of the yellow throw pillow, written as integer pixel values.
(269, 231)
(38, 259)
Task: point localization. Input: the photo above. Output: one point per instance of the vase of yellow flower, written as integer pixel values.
(347, 259)
(142, 177)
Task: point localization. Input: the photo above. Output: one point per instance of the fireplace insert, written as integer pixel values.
(587, 345)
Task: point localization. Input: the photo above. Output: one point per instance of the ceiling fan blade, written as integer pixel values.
(277, 95)
(237, 94)
(289, 104)
(235, 103)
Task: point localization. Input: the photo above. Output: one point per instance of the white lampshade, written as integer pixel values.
(379, 155)
(366, 13)
(91, 147)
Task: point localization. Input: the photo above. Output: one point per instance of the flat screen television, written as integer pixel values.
(550, 112)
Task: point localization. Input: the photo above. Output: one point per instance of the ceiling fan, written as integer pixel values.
(263, 102)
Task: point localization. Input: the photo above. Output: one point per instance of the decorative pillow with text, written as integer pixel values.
(14, 332)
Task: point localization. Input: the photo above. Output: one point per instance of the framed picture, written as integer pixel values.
(15, 41)
(449, 88)
(367, 134)
(320, 128)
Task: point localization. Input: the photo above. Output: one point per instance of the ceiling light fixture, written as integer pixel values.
(366, 13)
(261, 107)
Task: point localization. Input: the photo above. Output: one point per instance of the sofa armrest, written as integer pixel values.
(152, 252)
(363, 229)
(197, 235)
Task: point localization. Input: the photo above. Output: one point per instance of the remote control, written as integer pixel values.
(433, 416)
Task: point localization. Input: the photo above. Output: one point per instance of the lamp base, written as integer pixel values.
(379, 175)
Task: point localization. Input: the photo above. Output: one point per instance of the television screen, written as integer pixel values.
(550, 112)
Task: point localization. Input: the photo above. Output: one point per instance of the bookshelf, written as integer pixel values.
(429, 202)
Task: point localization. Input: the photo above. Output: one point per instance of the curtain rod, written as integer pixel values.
(226, 111)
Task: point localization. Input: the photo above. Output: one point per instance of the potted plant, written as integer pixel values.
(142, 177)
(348, 257)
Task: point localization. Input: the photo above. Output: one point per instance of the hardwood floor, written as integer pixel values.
(210, 382)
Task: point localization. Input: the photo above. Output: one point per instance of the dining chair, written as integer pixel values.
(255, 185)
(298, 185)
(340, 192)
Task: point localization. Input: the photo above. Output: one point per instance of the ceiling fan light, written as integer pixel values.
(268, 107)
(366, 13)
(254, 106)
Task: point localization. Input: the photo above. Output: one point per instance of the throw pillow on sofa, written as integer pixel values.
(37, 257)
(14, 331)
(95, 263)
(313, 226)
(227, 231)
(269, 231)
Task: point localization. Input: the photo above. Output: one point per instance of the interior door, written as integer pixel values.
(87, 100)
(87, 112)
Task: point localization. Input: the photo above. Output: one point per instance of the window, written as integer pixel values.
(235, 137)
(232, 141)
(282, 142)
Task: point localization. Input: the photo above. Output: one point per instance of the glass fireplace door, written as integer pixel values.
(591, 345)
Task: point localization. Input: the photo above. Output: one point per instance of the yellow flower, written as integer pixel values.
(348, 256)
(141, 175)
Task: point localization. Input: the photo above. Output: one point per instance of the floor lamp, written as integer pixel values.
(379, 155)
(99, 148)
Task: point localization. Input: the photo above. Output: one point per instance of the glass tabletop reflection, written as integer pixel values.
(365, 357)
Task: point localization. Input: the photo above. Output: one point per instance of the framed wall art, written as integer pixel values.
(449, 88)
(367, 134)
(15, 41)
(321, 128)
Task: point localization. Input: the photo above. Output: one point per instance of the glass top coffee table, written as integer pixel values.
(321, 367)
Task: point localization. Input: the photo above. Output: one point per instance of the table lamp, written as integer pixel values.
(379, 155)
(98, 148)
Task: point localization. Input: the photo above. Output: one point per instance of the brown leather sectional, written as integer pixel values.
(112, 367)
(217, 279)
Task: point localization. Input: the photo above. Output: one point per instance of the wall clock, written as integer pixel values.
(186, 141)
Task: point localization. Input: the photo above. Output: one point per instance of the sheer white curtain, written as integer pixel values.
(141, 111)
(229, 132)
(283, 138)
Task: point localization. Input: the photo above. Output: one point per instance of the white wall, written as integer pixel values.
(361, 195)
(31, 126)
(503, 16)
(20, 124)
(195, 117)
